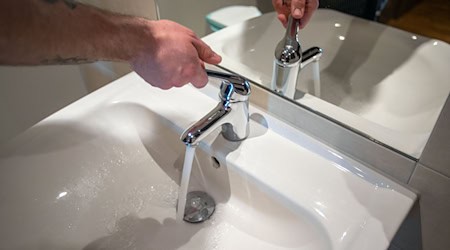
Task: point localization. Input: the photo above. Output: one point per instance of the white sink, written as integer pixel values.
(382, 81)
(103, 173)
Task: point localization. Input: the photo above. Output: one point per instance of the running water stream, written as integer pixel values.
(185, 176)
(316, 77)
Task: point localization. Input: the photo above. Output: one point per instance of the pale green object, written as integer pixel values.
(230, 15)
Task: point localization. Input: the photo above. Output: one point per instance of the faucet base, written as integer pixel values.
(284, 78)
(230, 134)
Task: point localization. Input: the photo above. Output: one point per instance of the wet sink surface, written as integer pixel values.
(104, 172)
(110, 181)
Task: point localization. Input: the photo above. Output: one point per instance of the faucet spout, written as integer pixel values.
(231, 113)
(311, 55)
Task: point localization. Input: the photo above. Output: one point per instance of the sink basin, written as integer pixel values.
(103, 173)
(394, 99)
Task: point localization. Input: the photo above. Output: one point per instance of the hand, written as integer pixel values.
(172, 56)
(299, 9)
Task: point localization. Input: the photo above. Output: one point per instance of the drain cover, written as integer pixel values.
(199, 207)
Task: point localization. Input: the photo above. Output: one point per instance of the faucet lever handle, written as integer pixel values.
(289, 51)
(233, 88)
(226, 90)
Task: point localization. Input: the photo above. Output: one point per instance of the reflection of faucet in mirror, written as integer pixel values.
(231, 113)
(289, 60)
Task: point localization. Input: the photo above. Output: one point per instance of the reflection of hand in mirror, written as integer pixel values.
(299, 9)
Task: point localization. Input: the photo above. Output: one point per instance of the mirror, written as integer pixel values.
(383, 71)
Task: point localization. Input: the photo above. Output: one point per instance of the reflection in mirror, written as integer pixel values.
(385, 83)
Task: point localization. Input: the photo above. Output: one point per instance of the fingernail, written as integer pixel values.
(297, 13)
(216, 56)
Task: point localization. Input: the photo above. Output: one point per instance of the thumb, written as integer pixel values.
(205, 53)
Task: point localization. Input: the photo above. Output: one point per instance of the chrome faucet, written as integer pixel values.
(289, 60)
(231, 113)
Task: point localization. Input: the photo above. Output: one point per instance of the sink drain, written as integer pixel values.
(199, 207)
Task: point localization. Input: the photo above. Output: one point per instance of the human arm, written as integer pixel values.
(165, 54)
(299, 9)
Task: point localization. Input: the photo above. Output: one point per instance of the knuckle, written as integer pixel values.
(188, 71)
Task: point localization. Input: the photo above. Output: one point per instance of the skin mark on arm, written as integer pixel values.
(68, 60)
(69, 3)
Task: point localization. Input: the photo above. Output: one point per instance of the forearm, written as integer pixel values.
(163, 53)
(60, 32)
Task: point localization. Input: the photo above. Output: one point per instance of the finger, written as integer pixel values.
(283, 19)
(201, 78)
(297, 8)
(205, 53)
(281, 8)
(277, 4)
(311, 6)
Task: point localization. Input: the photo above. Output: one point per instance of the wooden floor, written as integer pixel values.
(430, 18)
